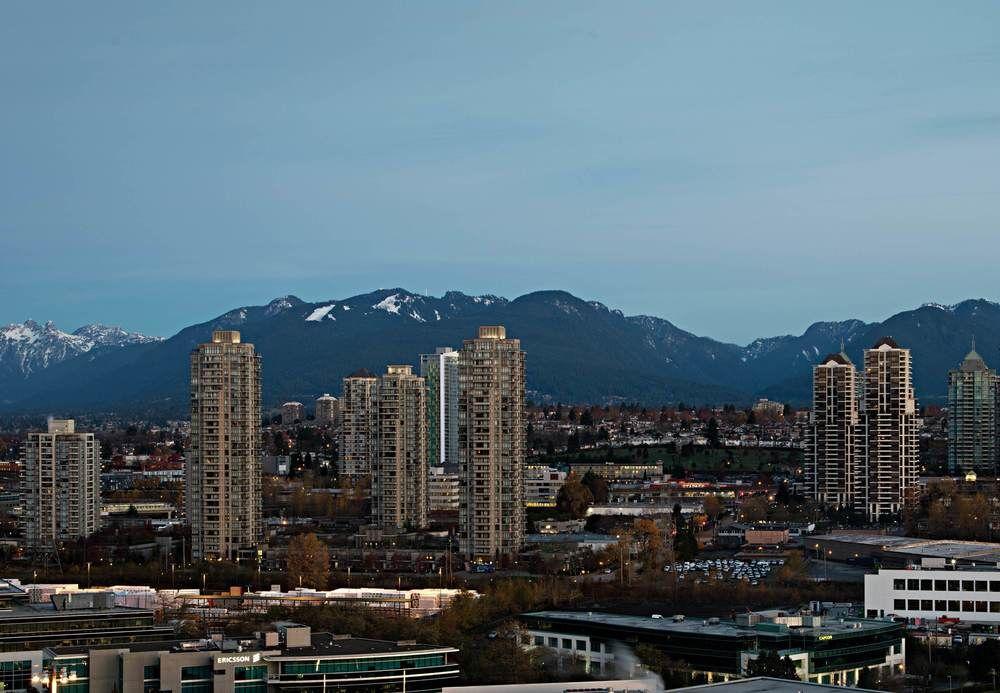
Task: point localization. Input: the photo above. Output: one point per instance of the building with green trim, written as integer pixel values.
(825, 651)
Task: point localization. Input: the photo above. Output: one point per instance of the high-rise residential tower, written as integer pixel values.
(491, 445)
(223, 471)
(399, 477)
(831, 457)
(359, 424)
(972, 417)
(440, 371)
(292, 412)
(888, 447)
(327, 409)
(60, 486)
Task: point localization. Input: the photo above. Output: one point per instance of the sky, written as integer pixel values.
(741, 169)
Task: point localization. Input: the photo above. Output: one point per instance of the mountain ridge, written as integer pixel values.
(578, 350)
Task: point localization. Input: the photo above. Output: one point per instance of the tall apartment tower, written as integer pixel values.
(831, 457)
(491, 445)
(972, 417)
(359, 424)
(223, 472)
(440, 371)
(399, 477)
(327, 409)
(888, 444)
(60, 486)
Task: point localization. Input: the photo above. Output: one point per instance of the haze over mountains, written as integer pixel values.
(578, 351)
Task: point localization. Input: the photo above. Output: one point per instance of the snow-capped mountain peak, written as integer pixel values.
(29, 347)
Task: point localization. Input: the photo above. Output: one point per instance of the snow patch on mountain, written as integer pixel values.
(321, 313)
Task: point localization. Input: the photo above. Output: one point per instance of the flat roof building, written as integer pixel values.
(935, 590)
(823, 651)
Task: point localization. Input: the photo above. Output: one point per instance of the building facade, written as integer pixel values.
(491, 445)
(288, 658)
(440, 371)
(60, 486)
(935, 590)
(827, 651)
(888, 448)
(327, 410)
(223, 473)
(399, 479)
(831, 458)
(443, 490)
(972, 417)
(359, 424)
(292, 412)
(541, 485)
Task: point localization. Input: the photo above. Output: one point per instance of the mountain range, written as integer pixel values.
(578, 351)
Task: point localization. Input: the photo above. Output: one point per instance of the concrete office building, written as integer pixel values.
(491, 445)
(359, 424)
(399, 479)
(327, 410)
(935, 589)
(292, 412)
(888, 447)
(831, 457)
(972, 417)
(60, 486)
(223, 473)
(440, 371)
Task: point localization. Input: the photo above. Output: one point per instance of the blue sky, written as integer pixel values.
(742, 169)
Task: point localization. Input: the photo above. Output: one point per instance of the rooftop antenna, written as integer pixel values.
(973, 342)
(842, 344)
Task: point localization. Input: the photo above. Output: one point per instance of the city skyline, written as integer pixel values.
(570, 146)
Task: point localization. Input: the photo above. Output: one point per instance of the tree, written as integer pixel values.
(650, 540)
(574, 498)
(770, 663)
(712, 433)
(754, 510)
(713, 507)
(308, 561)
(598, 487)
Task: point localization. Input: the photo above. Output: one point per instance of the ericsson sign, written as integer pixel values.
(238, 658)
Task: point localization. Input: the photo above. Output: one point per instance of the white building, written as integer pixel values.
(60, 486)
(541, 485)
(933, 590)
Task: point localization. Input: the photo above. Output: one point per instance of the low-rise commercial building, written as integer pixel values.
(541, 485)
(288, 658)
(935, 591)
(889, 550)
(823, 651)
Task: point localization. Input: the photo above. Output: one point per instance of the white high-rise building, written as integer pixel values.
(60, 486)
(223, 471)
(440, 371)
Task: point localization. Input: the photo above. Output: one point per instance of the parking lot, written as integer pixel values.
(731, 569)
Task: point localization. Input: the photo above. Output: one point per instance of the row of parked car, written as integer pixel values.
(751, 571)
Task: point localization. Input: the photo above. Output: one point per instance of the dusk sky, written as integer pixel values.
(741, 169)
